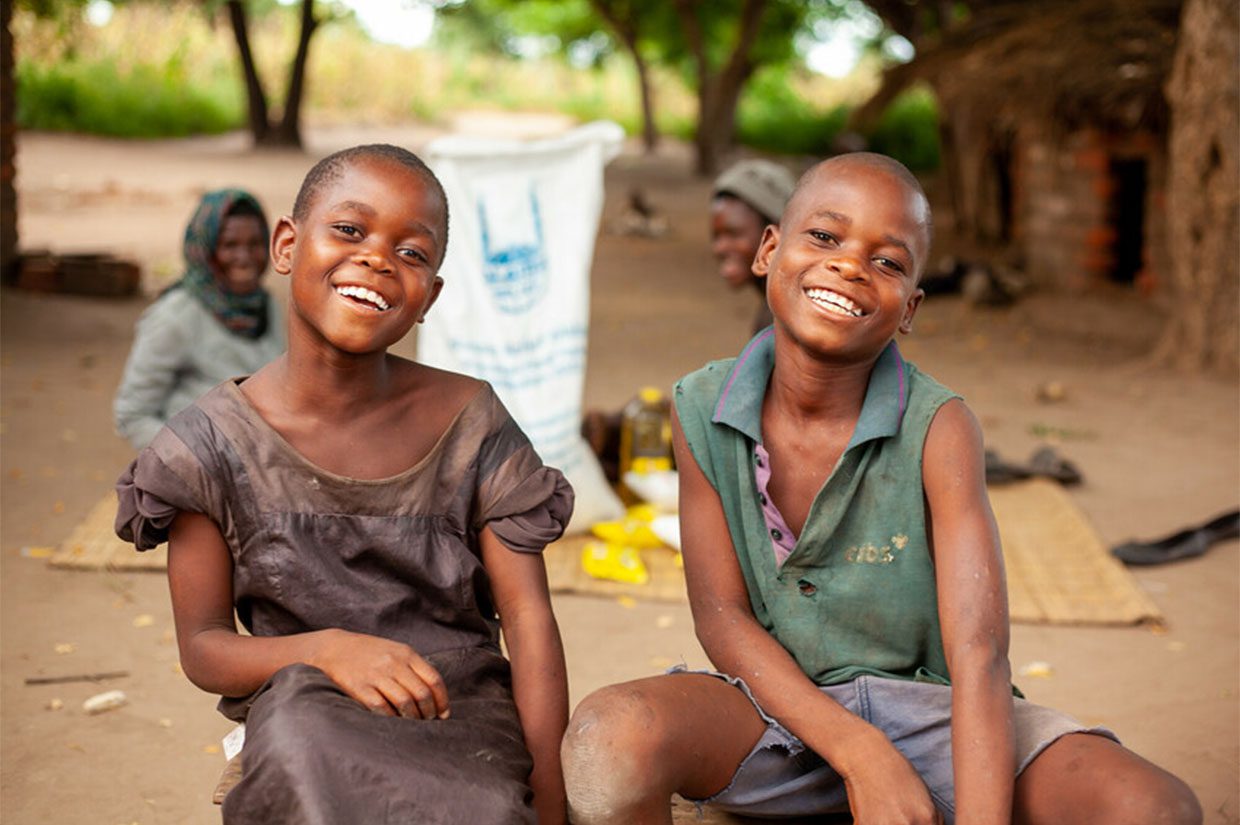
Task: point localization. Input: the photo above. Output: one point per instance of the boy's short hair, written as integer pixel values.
(761, 185)
(329, 169)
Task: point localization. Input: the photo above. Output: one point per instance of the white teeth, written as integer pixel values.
(834, 302)
(363, 294)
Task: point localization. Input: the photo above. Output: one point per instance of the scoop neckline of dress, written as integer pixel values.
(234, 391)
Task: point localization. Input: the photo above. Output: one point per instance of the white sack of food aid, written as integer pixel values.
(515, 305)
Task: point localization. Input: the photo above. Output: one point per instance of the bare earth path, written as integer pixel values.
(1159, 451)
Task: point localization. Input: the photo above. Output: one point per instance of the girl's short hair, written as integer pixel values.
(330, 168)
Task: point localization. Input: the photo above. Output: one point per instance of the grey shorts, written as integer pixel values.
(782, 778)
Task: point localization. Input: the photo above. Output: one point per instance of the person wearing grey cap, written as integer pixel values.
(745, 198)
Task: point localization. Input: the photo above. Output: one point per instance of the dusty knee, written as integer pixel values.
(608, 754)
(611, 728)
(1160, 800)
(1092, 780)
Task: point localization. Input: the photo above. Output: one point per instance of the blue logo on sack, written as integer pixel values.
(517, 273)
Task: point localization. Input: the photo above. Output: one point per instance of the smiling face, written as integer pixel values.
(364, 257)
(735, 233)
(842, 267)
(240, 253)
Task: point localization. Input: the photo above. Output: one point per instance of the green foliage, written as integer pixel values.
(773, 117)
(909, 131)
(186, 79)
(62, 10)
(144, 101)
(75, 76)
(779, 116)
(567, 20)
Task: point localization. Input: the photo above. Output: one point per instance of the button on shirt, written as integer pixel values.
(782, 538)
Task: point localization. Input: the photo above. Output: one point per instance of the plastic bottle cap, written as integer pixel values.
(650, 395)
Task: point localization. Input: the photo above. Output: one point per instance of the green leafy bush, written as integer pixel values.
(186, 80)
(909, 131)
(146, 101)
(776, 117)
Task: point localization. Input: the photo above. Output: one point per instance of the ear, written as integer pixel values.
(766, 248)
(910, 309)
(432, 296)
(283, 240)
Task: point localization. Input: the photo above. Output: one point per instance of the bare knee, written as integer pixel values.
(1088, 779)
(1157, 798)
(610, 754)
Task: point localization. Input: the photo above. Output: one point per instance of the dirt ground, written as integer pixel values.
(1159, 451)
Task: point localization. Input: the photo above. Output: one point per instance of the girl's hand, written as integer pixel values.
(387, 677)
(885, 790)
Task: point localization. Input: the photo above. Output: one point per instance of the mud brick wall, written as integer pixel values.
(1064, 211)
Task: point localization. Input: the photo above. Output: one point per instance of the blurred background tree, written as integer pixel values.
(715, 47)
(1203, 195)
(1057, 134)
(287, 130)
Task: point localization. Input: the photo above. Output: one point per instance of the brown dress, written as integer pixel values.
(397, 558)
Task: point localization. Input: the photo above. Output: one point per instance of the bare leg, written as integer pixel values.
(629, 747)
(1091, 780)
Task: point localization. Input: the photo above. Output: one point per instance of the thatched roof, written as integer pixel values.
(1100, 63)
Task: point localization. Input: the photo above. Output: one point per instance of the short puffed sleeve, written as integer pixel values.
(167, 477)
(525, 503)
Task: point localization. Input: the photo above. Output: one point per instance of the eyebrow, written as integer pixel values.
(357, 206)
(835, 216)
(847, 221)
(894, 241)
(370, 212)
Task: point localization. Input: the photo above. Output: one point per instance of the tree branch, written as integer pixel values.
(255, 97)
(290, 128)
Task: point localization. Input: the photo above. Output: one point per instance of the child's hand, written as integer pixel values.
(884, 789)
(387, 677)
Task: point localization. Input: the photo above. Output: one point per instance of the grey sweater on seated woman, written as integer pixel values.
(180, 351)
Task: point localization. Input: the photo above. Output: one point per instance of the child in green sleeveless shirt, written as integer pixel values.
(845, 573)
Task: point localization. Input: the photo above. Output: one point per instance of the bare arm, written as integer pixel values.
(385, 676)
(539, 677)
(973, 614)
(882, 785)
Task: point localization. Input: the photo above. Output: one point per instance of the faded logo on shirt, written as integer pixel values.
(870, 553)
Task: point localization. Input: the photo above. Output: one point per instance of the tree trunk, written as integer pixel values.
(8, 151)
(949, 153)
(1203, 202)
(289, 131)
(719, 91)
(626, 29)
(260, 126)
(650, 133)
(717, 102)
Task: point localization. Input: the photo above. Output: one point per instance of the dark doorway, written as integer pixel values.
(1004, 160)
(1127, 213)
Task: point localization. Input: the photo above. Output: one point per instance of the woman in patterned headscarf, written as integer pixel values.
(216, 323)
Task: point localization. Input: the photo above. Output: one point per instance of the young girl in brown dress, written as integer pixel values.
(374, 523)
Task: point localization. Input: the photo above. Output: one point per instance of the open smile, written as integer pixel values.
(363, 297)
(834, 302)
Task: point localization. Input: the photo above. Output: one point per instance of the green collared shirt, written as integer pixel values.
(856, 595)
